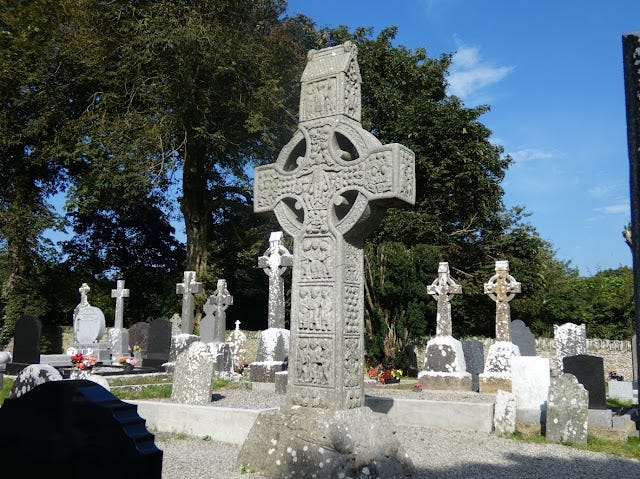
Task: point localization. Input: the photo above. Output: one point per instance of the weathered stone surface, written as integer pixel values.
(442, 289)
(328, 189)
(238, 341)
(187, 289)
(497, 368)
(570, 340)
(502, 288)
(119, 294)
(504, 418)
(32, 376)
(325, 444)
(274, 263)
(567, 410)
(193, 375)
(213, 325)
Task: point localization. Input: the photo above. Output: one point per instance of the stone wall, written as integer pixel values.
(615, 353)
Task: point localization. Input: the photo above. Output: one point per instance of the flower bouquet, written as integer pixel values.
(127, 363)
(390, 376)
(82, 364)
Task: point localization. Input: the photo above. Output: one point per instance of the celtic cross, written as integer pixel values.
(502, 288)
(329, 188)
(442, 290)
(187, 289)
(274, 262)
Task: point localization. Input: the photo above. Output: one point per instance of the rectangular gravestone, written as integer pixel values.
(193, 375)
(530, 380)
(159, 343)
(621, 390)
(567, 410)
(26, 344)
(589, 370)
(139, 337)
(474, 359)
(522, 337)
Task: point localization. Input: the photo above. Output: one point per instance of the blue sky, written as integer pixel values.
(552, 73)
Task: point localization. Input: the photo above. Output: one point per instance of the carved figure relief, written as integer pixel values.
(313, 361)
(316, 309)
(310, 398)
(353, 398)
(317, 258)
(379, 176)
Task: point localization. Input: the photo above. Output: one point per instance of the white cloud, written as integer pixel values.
(469, 74)
(530, 154)
(619, 209)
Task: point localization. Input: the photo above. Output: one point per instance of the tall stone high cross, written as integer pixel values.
(119, 294)
(274, 262)
(502, 288)
(328, 189)
(442, 290)
(187, 289)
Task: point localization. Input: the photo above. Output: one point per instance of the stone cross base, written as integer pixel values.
(445, 381)
(444, 354)
(491, 382)
(323, 443)
(265, 371)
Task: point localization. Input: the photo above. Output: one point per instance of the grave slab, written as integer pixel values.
(589, 370)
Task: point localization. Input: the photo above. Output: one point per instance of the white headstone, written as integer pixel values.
(530, 380)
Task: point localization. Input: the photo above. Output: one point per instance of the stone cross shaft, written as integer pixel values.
(274, 262)
(187, 289)
(502, 288)
(119, 294)
(221, 300)
(329, 188)
(442, 290)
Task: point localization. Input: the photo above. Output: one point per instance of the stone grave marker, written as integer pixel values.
(119, 335)
(589, 370)
(570, 340)
(213, 327)
(76, 428)
(474, 360)
(444, 364)
(567, 410)
(501, 288)
(274, 263)
(504, 417)
(193, 375)
(26, 344)
(530, 381)
(139, 336)
(522, 337)
(187, 289)
(273, 345)
(89, 327)
(158, 343)
(328, 189)
(238, 341)
(32, 376)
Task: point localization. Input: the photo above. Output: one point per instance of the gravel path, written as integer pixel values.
(435, 453)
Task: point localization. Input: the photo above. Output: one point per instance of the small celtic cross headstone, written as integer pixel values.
(329, 188)
(274, 262)
(443, 289)
(213, 325)
(502, 288)
(187, 289)
(119, 294)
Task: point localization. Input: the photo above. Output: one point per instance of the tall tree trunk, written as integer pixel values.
(196, 208)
